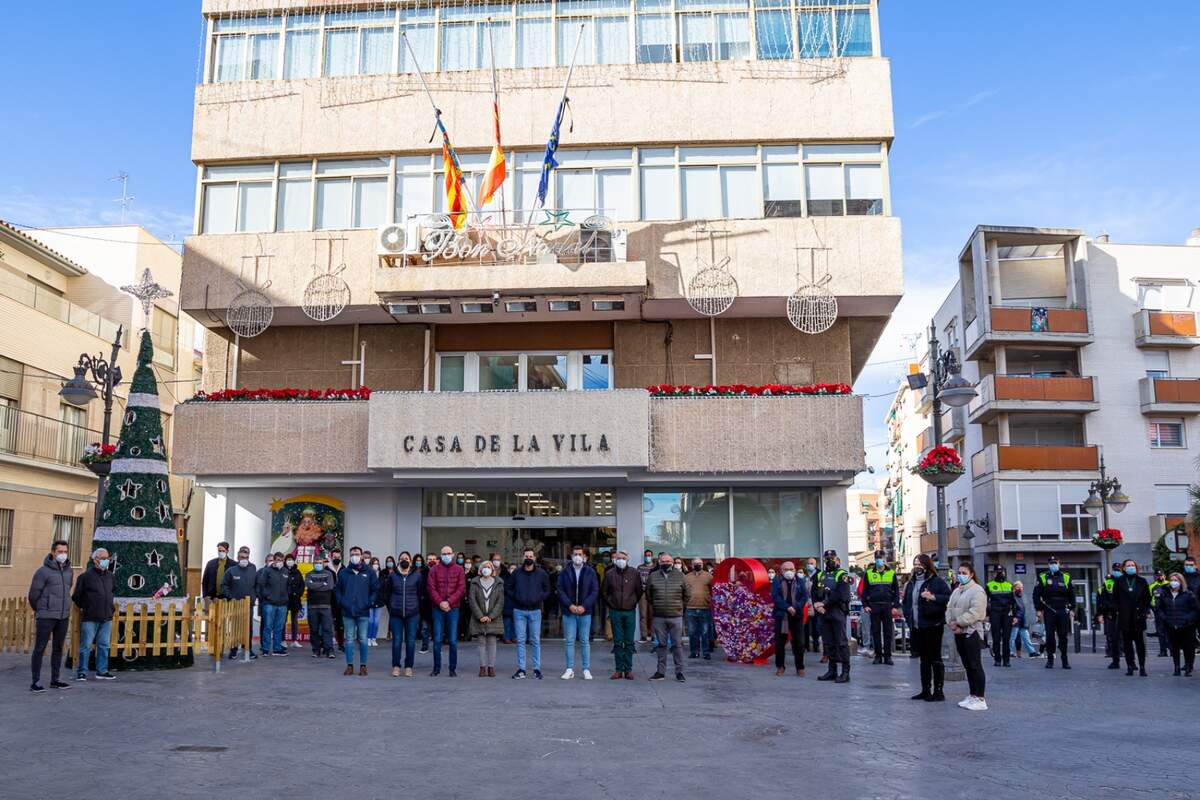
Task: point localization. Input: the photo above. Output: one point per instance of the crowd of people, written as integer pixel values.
(441, 599)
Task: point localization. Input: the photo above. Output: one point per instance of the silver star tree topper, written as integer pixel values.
(147, 291)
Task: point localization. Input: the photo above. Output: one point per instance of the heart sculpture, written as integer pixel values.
(742, 610)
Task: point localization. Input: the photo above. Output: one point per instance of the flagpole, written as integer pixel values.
(437, 118)
(495, 108)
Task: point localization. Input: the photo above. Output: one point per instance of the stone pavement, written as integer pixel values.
(296, 727)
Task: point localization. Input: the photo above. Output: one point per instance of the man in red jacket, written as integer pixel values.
(446, 585)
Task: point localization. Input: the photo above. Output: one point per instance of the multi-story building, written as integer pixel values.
(59, 299)
(902, 508)
(1083, 350)
(865, 534)
(745, 141)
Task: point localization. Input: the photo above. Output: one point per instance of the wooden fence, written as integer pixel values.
(157, 628)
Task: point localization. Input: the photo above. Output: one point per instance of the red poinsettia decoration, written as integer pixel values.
(743, 390)
(281, 395)
(96, 453)
(940, 459)
(1108, 538)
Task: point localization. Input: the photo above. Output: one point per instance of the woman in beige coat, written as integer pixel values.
(485, 596)
(965, 614)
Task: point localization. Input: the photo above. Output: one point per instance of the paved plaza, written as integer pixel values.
(296, 727)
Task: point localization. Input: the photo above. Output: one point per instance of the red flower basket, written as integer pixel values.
(941, 466)
(1108, 539)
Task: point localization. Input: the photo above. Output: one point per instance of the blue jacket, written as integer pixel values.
(798, 599)
(403, 593)
(357, 588)
(584, 594)
(527, 590)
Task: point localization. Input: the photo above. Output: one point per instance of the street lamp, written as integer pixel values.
(80, 390)
(1103, 494)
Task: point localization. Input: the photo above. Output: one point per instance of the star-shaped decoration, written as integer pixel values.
(147, 291)
(164, 512)
(156, 444)
(129, 489)
(559, 219)
(154, 558)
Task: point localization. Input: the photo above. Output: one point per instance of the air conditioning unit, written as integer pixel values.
(600, 246)
(398, 239)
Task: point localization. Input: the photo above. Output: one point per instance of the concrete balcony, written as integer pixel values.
(1170, 395)
(1066, 462)
(1017, 325)
(954, 424)
(999, 394)
(1165, 329)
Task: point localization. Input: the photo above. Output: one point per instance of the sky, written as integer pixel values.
(1072, 113)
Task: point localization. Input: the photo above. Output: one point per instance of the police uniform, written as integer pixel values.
(1106, 606)
(1054, 598)
(1000, 617)
(834, 590)
(881, 593)
(1157, 587)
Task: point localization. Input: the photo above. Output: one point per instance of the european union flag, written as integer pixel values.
(548, 163)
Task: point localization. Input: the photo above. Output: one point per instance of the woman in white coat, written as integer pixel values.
(965, 614)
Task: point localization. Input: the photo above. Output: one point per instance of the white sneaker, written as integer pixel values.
(372, 643)
(587, 674)
(966, 701)
(570, 673)
(976, 704)
(296, 644)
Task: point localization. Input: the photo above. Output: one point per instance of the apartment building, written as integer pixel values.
(865, 533)
(746, 141)
(903, 504)
(1083, 350)
(58, 300)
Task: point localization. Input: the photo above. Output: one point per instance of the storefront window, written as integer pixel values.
(687, 523)
(777, 523)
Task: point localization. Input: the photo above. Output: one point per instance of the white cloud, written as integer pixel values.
(23, 208)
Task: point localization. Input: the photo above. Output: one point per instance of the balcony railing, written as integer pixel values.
(1170, 395)
(1166, 329)
(1016, 393)
(954, 424)
(40, 298)
(39, 438)
(1035, 458)
(1022, 320)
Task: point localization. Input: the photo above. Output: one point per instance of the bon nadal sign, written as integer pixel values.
(503, 243)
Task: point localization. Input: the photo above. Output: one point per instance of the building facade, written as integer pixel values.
(1083, 350)
(509, 361)
(865, 531)
(58, 300)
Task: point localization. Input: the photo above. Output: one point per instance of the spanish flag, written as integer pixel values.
(496, 171)
(456, 200)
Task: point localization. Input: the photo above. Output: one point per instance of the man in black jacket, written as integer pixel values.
(214, 572)
(881, 594)
(528, 588)
(1000, 615)
(94, 596)
(320, 584)
(295, 601)
(831, 600)
(238, 583)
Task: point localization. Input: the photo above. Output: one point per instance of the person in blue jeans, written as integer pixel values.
(1020, 627)
(526, 590)
(402, 592)
(93, 595)
(357, 588)
(272, 585)
(446, 585)
(578, 589)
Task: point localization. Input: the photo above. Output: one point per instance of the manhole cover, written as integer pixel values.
(199, 748)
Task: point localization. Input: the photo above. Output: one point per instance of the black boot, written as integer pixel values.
(1049, 660)
(1129, 669)
(1065, 665)
(878, 659)
(845, 676)
(939, 677)
(830, 673)
(1142, 669)
(1114, 664)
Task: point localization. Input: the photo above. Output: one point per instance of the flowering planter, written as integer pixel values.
(1108, 539)
(940, 479)
(100, 468)
(941, 466)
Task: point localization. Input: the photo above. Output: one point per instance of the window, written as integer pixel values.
(777, 523)
(522, 372)
(245, 49)
(655, 40)
(1165, 295)
(70, 529)
(773, 30)
(1039, 511)
(1077, 524)
(414, 187)
(826, 33)
(597, 371)
(237, 198)
(1158, 363)
(451, 373)
(781, 181)
(687, 523)
(547, 372)
(1171, 500)
(352, 193)
(841, 188)
(417, 26)
(164, 333)
(1166, 433)
(6, 536)
(302, 47)
(294, 209)
(584, 189)
(715, 185)
(467, 37)
(73, 435)
(359, 42)
(605, 25)
(498, 373)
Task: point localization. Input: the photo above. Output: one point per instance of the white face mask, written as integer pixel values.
(60, 558)
(243, 562)
(577, 560)
(221, 554)
(789, 573)
(291, 563)
(496, 563)
(771, 574)
(1175, 585)
(354, 559)
(621, 563)
(486, 572)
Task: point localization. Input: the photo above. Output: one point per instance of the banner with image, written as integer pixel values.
(307, 527)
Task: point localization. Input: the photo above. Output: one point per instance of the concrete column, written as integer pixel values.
(629, 523)
(1001, 360)
(216, 523)
(408, 521)
(1068, 265)
(835, 527)
(1002, 425)
(993, 273)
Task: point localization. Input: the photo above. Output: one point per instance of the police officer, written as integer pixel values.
(1000, 615)
(1160, 629)
(831, 600)
(1106, 614)
(1055, 603)
(881, 594)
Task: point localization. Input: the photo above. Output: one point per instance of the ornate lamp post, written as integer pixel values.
(1103, 494)
(80, 390)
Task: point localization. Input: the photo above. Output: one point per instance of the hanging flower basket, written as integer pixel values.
(98, 457)
(941, 466)
(1108, 539)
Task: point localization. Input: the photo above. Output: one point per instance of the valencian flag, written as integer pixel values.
(456, 198)
(494, 177)
(548, 163)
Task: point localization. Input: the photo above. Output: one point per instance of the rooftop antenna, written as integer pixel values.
(126, 198)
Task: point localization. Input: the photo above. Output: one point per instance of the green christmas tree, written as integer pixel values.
(137, 518)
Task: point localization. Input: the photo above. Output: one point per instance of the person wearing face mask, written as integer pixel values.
(1000, 616)
(789, 594)
(1157, 587)
(357, 592)
(271, 584)
(578, 587)
(1054, 601)
(644, 571)
(214, 572)
(965, 614)
(812, 625)
(239, 582)
(925, 597)
(1180, 610)
(668, 596)
(447, 585)
(485, 597)
(295, 602)
(50, 598)
(376, 611)
(831, 600)
(1133, 601)
(1191, 577)
(93, 595)
(320, 584)
(772, 575)
(527, 590)
(1020, 625)
(401, 593)
(698, 613)
(425, 628)
(622, 590)
(339, 629)
(880, 592)
(1106, 614)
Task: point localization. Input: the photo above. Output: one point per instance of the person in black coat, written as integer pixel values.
(214, 572)
(1131, 595)
(1179, 611)
(295, 600)
(924, 605)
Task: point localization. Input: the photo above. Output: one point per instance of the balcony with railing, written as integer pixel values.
(1165, 329)
(954, 424)
(1034, 458)
(28, 436)
(1170, 395)
(47, 301)
(999, 394)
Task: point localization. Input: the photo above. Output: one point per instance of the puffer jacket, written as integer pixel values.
(295, 588)
(271, 586)
(403, 594)
(968, 608)
(94, 595)
(50, 590)
(491, 606)
(667, 593)
(1178, 610)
